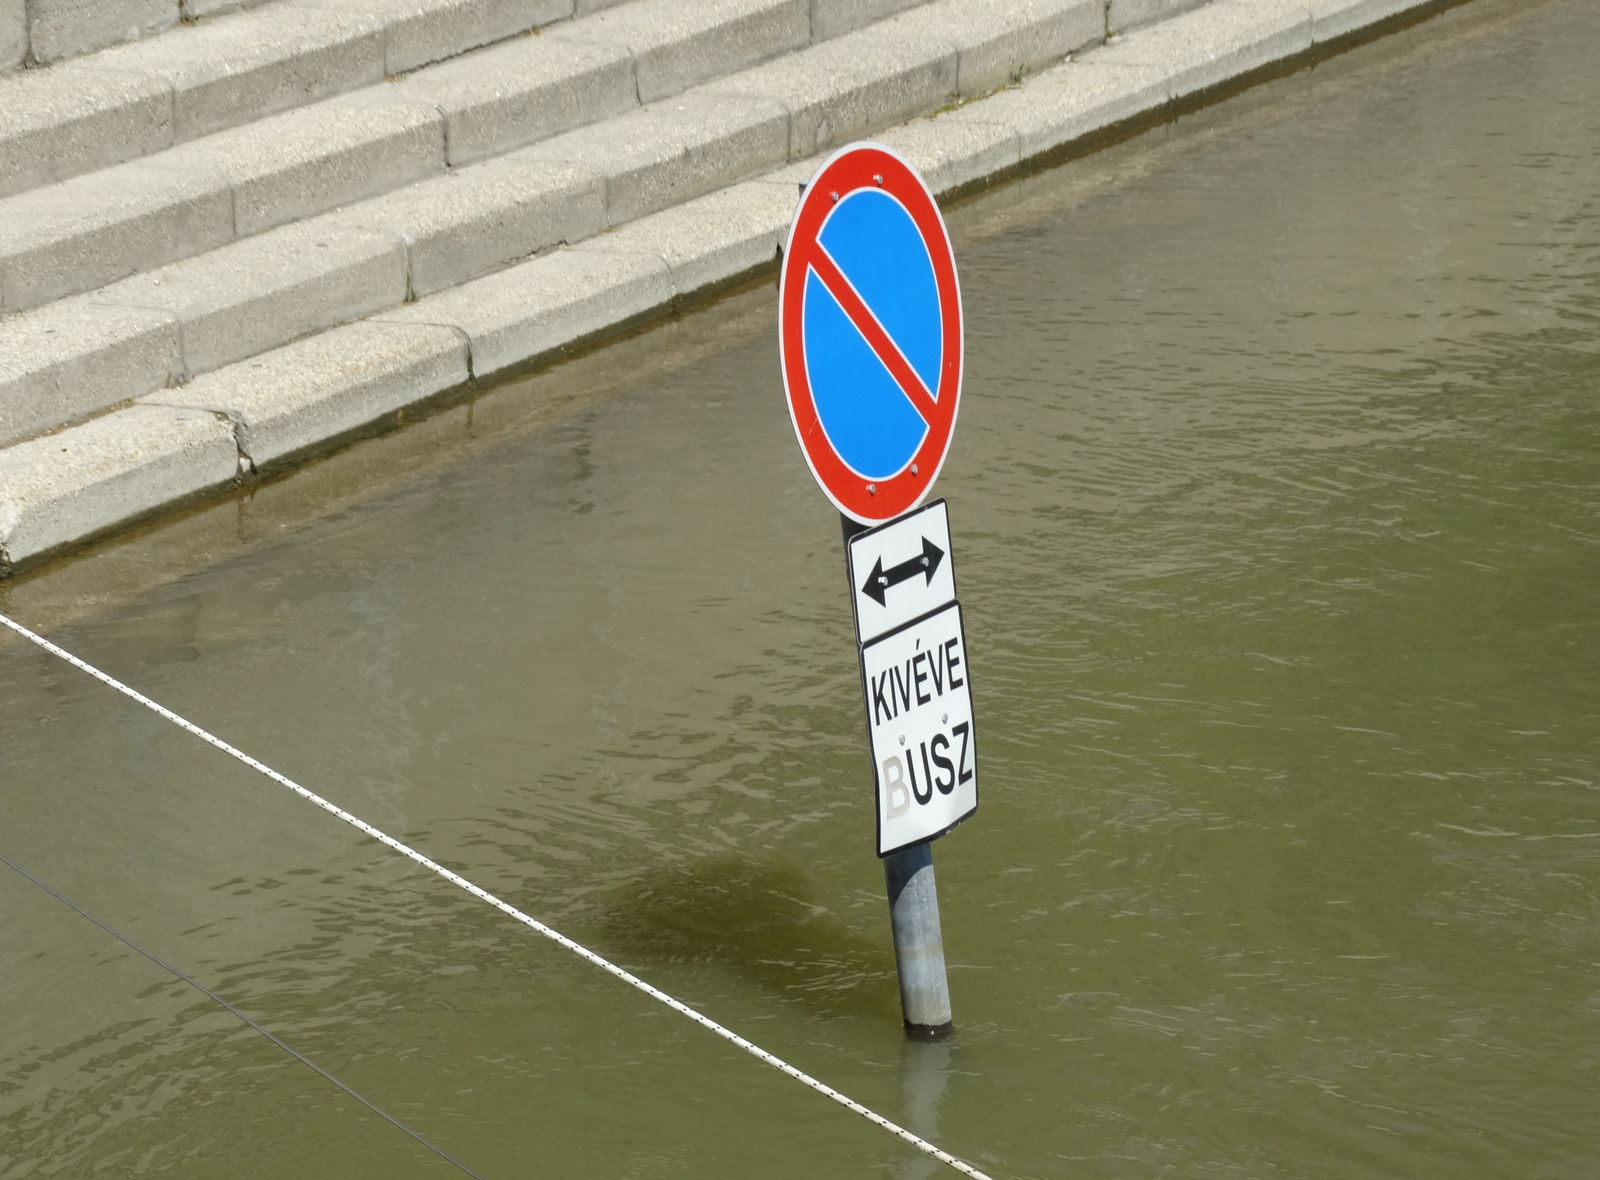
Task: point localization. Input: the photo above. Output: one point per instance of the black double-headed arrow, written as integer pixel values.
(880, 579)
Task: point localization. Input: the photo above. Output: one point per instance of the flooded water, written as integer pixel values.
(1276, 506)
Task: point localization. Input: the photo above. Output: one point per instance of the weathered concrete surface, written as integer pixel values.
(1122, 15)
(270, 289)
(67, 28)
(833, 18)
(479, 219)
(675, 150)
(996, 41)
(59, 490)
(957, 149)
(840, 90)
(71, 358)
(1331, 19)
(93, 230)
(522, 91)
(255, 63)
(1216, 43)
(1061, 105)
(59, 122)
(300, 163)
(709, 242)
(130, 100)
(421, 31)
(539, 307)
(306, 161)
(195, 10)
(647, 159)
(245, 62)
(326, 387)
(13, 34)
(676, 46)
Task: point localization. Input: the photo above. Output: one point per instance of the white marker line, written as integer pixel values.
(504, 907)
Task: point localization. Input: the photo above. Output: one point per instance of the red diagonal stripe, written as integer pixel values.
(872, 332)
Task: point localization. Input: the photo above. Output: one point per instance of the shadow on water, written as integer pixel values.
(760, 921)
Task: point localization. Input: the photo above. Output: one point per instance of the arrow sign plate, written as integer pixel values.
(919, 718)
(901, 571)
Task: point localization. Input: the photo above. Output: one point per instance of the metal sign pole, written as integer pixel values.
(914, 918)
(918, 945)
(870, 347)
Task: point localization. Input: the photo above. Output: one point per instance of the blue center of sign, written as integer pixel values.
(866, 415)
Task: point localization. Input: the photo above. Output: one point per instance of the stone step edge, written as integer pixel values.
(239, 423)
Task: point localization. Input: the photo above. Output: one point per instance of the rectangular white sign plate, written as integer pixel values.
(901, 570)
(919, 719)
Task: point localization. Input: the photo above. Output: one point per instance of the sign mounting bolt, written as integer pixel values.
(872, 489)
(835, 197)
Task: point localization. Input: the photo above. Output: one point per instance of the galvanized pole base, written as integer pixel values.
(918, 946)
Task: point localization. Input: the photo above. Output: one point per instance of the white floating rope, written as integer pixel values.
(504, 907)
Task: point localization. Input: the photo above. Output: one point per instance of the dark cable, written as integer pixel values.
(278, 1041)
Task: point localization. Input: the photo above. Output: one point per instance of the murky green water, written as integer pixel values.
(1276, 499)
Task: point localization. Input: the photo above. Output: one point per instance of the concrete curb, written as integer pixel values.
(296, 401)
(63, 491)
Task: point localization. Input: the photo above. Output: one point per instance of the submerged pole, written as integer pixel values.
(918, 945)
(914, 919)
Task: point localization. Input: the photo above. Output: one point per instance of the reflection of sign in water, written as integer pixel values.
(919, 717)
(869, 327)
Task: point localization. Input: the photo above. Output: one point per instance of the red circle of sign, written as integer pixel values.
(868, 166)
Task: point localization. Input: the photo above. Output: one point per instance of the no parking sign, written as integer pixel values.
(869, 331)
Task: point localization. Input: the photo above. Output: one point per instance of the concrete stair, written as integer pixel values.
(274, 228)
(249, 238)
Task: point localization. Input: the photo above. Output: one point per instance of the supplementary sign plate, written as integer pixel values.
(901, 570)
(869, 331)
(919, 718)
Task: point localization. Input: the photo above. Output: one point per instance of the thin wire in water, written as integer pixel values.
(504, 907)
(276, 1040)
